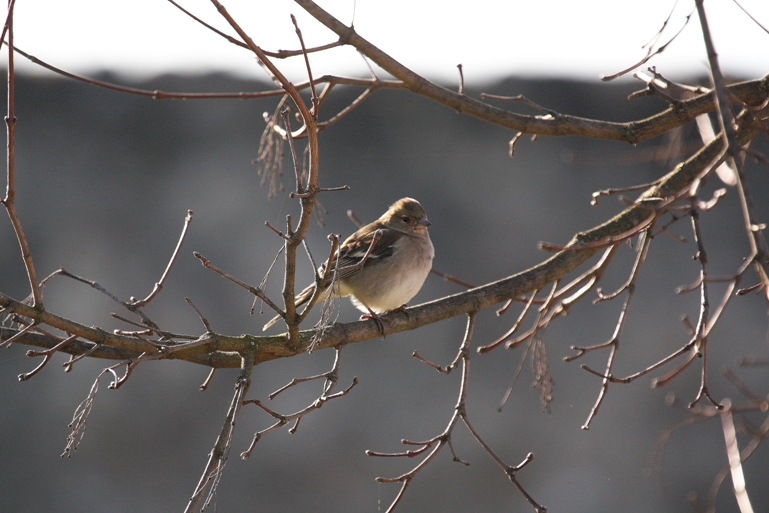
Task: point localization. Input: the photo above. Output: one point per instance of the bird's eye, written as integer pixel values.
(405, 219)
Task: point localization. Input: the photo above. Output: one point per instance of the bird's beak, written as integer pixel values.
(424, 222)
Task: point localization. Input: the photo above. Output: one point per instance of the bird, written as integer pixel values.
(395, 269)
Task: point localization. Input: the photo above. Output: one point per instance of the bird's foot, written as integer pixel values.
(402, 309)
(378, 320)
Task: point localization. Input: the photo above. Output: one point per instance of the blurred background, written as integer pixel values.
(104, 181)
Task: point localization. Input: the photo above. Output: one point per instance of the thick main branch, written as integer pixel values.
(222, 351)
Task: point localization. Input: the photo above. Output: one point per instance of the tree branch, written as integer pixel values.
(211, 349)
(559, 124)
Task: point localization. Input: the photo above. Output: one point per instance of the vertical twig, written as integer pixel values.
(315, 100)
(701, 334)
(614, 342)
(759, 251)
(307, 201)
(221, 450)
(10, 191)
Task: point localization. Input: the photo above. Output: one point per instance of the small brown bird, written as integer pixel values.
(395, 269)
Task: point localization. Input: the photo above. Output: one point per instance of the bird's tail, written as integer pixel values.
(302, 298)
(271, 322)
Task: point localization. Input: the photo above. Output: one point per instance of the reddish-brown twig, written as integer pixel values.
(280, 54)
(19, 334)
(701, 329)
(46, 357)
(315, 101)
(614, 341)
(200, 316)
(159, 284)
(436, 443)
(254, 290)
(295, 417)
(9, 201)
(219, 455)
(727, 124)
(651, 47)
(83, 410)
(128, 305)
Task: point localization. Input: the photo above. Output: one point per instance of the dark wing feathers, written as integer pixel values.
(354, 249)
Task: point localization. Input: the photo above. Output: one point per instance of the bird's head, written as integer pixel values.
(406, 215)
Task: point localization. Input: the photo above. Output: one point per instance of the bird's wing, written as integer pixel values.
(351, 253)
(354, 249)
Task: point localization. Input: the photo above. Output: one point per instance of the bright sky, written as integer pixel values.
(491, 38)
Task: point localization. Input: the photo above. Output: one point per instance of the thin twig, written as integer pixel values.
(218, 456)
(9, 201)
(253, 290)
(263, 283)
(128, 305)
(701, 334)
(280, 54)
(47, 356)
(208, 379)
(295, 417)
(315, 101)
(651, 51)
(614, 341)
(331, 376)
(159, 284)
(200, 315)
(751, 16)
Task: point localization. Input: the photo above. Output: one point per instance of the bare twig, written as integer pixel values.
(154, 94)
(263, 283)
(18, 335)
(159, 284)
(280, 54)
(438, 442)
(614, 341)
(295, 417)
(522, 99)
(9, 201)
(200, 315)
(46, 357)
(315, 101)
(611, 192)
(751, 16)
(220, 453)
(128, 305)
(207, 381)
(651, 47)
(727, 123)
(435, 444)
(701, 330)
(8, 16)
(256, 291)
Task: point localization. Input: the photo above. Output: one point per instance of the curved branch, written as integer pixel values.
(559, 124)
(223, 351)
